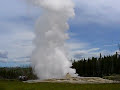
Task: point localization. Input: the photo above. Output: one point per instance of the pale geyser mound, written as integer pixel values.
(49, 58)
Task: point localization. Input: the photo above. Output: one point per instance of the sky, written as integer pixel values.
(95, 29)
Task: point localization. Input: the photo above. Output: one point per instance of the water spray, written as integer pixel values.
(49, 58)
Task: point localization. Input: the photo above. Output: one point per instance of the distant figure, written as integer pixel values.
(23, 78)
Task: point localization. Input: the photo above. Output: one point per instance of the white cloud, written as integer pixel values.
(21, 60)
(93, 49)
(3, 54)
(110, 45)
(3, 60)
(76, 45)
(16, 30)
(80, 54)
(98, 11)
(17, 39)
(80, 50)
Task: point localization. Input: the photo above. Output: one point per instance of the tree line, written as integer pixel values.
(91, 67)
(15, 72)
(98, 67)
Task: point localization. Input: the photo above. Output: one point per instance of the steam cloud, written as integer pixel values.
(49, 58)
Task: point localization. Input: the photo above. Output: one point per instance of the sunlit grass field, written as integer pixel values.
(17, 85)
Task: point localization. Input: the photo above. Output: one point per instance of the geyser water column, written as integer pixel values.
(49, 58)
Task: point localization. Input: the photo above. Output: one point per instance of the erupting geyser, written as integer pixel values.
(49, 58)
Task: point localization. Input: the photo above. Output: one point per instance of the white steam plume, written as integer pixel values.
(49, 58)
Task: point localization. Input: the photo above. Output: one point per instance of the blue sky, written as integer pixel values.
(95, 29)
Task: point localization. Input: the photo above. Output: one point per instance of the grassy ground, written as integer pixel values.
(17, 85)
